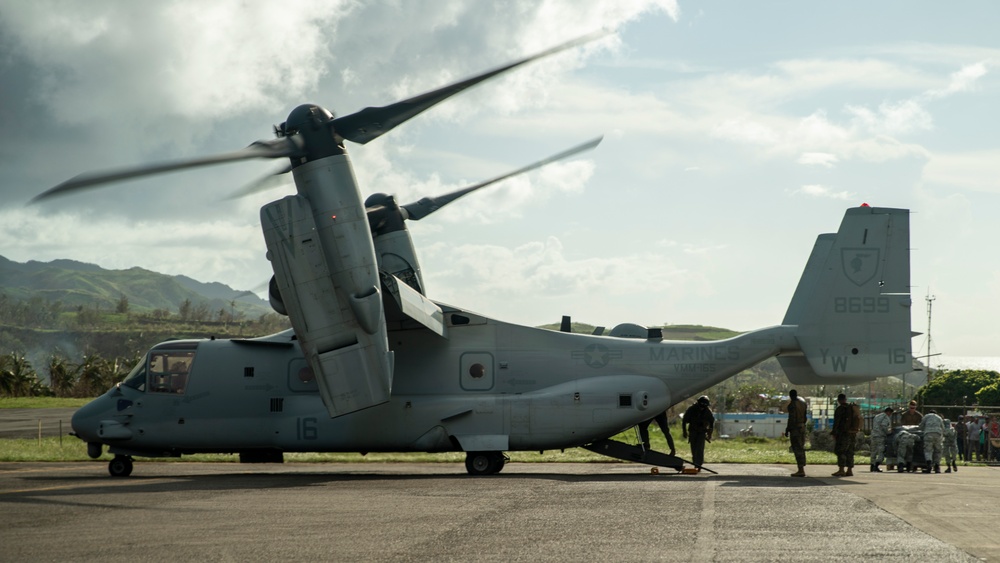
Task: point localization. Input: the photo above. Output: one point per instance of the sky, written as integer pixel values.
(734, 134)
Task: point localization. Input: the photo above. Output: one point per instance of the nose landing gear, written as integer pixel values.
(120, 466)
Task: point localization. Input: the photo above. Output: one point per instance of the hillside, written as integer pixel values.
(75, 285)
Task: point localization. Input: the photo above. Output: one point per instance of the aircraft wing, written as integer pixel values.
(411, 303)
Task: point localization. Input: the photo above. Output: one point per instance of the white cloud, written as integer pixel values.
(976, 170)
(184, 58)
(824, 159)
(489, 277)
(892, 118)
(964, 80)
(816, 190)
(747, 131)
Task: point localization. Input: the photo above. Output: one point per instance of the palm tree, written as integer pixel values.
(62, 376)
(18, 378)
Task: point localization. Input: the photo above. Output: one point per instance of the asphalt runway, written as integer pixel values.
(25, 423)
(529, 512)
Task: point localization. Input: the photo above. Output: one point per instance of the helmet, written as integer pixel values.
(703, 399)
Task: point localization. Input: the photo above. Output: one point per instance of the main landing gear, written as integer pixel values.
(120, 466)
(485, 463)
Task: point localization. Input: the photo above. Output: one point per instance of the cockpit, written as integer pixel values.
(164, 370)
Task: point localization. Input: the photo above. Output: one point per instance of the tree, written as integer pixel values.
(200, 312)
(62, 376)
(17, 378)
(185, 310)
(122, 306)
(956, 387)
(86, 317)
(989, 395)
(752, 397)
(96, 375)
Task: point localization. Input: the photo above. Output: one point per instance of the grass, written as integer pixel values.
(736, 450)
(42, 402)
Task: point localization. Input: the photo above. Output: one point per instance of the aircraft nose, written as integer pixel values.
(86, 419)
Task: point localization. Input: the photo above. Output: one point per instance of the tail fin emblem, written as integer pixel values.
(860, 264)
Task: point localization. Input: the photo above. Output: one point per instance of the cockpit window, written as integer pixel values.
(169, 369)
(136, 378)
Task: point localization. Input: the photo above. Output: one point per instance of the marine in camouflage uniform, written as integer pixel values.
(881, 426)
(697, 426)
(933, 427)
(950, 446)
(795, 430)
(904, 450)
(844, 439)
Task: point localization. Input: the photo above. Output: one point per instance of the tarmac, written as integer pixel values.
(169, 511)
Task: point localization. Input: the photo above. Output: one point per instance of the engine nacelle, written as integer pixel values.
(327, 281)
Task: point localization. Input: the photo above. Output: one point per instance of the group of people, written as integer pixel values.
(696, 426)
(846, 425)
(940, 437)
(973, 435)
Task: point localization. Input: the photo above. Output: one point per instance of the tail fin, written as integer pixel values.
(851, 308)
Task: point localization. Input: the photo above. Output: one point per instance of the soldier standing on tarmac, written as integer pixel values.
(881, 427)
(933, 427)
(697, 427)
(796, 430)
(844, 435)
(950, 446)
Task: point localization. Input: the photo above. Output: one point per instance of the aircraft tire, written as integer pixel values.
(484, 463)
(120, 466)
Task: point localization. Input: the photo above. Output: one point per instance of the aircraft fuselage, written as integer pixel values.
(488, 386)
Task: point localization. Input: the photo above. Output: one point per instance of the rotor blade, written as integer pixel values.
(427, 205)
(276, 148)
(371, 122)
(272, 180)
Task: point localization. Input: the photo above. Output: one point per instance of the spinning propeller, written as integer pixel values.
(384, 213)
(312, 132)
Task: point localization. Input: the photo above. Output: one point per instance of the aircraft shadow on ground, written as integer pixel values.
(59, 489)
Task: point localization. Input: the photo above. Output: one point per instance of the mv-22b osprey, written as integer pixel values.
(371, 364)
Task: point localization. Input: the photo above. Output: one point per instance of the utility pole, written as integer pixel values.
(930, 305)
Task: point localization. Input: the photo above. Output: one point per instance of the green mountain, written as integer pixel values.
(76, 284)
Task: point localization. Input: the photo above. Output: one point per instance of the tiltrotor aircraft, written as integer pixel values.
(372, 364)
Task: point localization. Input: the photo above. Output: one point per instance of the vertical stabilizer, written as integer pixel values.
(852, 305)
